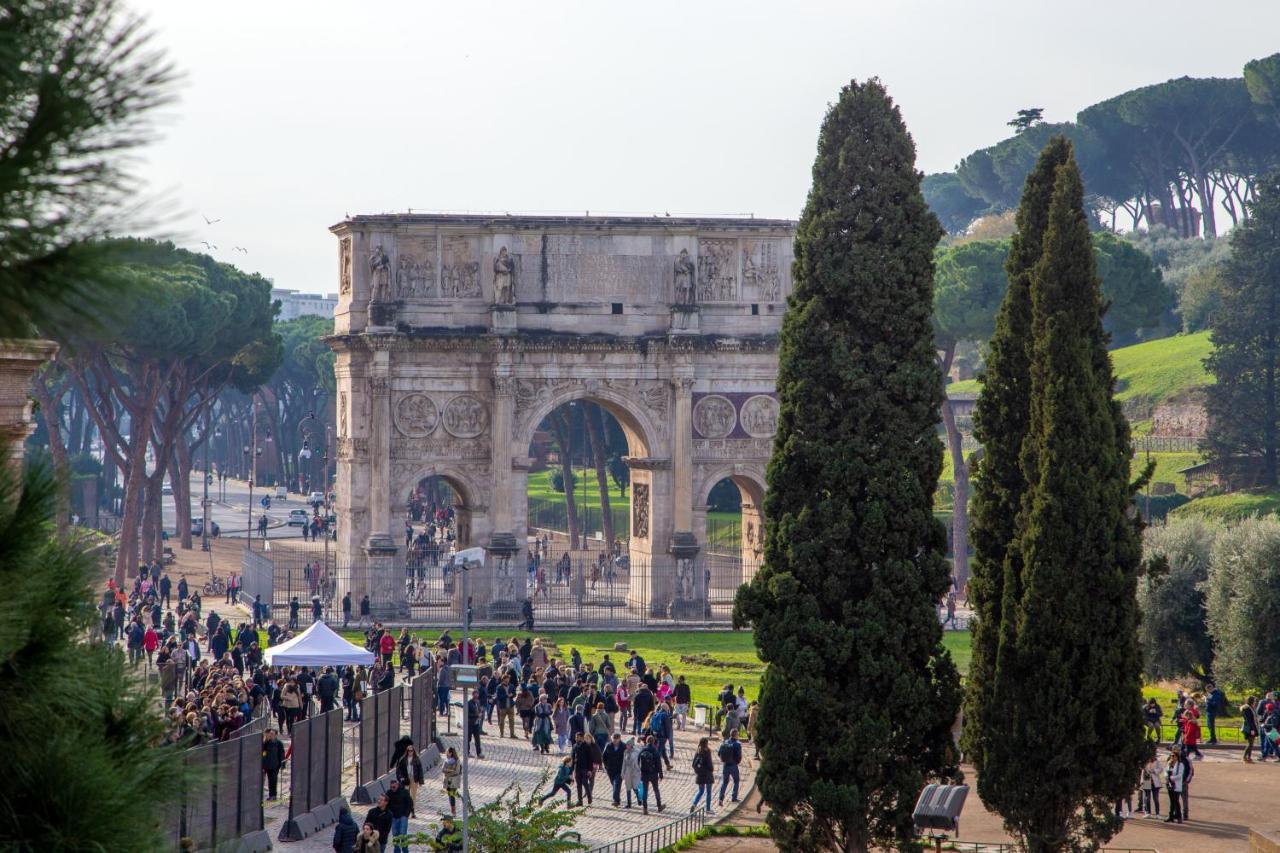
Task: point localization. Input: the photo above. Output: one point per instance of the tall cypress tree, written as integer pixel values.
(844, 607)
(1001, 418)
(1068, 669)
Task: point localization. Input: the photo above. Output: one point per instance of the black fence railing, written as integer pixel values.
(657, 839)
(564, 587)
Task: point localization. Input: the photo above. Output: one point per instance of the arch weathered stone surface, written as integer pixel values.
(451, 351)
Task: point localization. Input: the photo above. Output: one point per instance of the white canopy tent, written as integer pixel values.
(317, 646)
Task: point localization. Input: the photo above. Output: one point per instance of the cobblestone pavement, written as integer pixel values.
(510, 761)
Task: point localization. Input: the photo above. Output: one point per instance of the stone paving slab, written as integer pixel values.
(510, 761)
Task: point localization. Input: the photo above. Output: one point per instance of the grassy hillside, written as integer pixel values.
(1232, 507)
(1148, 373)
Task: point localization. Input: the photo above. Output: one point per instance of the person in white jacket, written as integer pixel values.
(1174, 781)
(1152, 782)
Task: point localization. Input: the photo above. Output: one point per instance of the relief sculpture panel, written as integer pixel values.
(761, 271)
(460, 268)
(717, 270)
(760, 416)
(465, 416)
(416, 415)
(714, 416)
(416, 268)
(640, 510)
(344, 266)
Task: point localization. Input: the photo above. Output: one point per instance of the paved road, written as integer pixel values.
(229, 506)
(510, 761)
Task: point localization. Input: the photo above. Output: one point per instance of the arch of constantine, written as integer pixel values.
(457, 335)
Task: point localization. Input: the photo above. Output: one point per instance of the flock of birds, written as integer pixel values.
(210, 246)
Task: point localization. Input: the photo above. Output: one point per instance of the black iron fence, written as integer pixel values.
(657, 839)
(565, 587)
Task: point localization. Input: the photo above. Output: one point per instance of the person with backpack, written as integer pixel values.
(650, 774)
(730, 758)
(704, 775)
(659, 723)
(1249, 726)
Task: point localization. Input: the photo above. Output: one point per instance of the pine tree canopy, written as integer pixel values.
(844, 605)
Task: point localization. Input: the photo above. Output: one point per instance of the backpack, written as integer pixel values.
(727, 753)
(648, 762)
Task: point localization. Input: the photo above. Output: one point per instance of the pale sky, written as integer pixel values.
(293, 114)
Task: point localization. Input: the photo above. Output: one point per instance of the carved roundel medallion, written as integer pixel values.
(465, 417)
(714, 416)
(416, 415)
(760, 416)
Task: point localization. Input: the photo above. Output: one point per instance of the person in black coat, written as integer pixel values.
(704, 775)
(272, 761)
(344, 832)
(650, 773)
(583, 766)
(327, 690)
(380, 817)
(401, 806)
(615, 756)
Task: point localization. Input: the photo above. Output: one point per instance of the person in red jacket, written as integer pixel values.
(1191, 735)
(150, 642)
(387, 645)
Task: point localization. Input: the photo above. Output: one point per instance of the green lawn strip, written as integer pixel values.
(1232, 507)
(688, 841)
(1167, 467)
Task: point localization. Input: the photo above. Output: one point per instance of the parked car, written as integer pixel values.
(166, 488)
(299, 517)
(197, 527)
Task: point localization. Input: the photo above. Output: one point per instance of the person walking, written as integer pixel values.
(367, 840)
(409, 772)
(704, 775)
(346, 609)
(327, 690)
(614, 759)
(1249, 726)
(1191, 736)
(730, 758)
(344, 832)
(561, 783)
(600, 728)
(560, 716)
(650, 774)
(1215, 703)
(450, 773)
(583, 766)
(542, 713)
(272, 761)
(631, 770)
(401, 806)
(380, 817)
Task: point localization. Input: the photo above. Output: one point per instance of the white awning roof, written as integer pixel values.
(317, 646)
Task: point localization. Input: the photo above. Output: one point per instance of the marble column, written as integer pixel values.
(688, 592)
(387, 596)
(496, 593)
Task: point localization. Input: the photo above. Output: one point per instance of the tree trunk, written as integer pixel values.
(564, 438)
(50, 400)
(131, 517)
(595, 435)
(180, 476)
(960, 502)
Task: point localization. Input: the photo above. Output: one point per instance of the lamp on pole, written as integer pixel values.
(466, 560)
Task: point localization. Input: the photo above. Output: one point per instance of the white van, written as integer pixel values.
(282, 493)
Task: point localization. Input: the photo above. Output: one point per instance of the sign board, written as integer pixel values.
(464, 674)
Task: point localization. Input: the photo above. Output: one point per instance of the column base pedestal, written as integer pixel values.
(689, 593)
(502, 319)
(684, 320)
(499, 595)
(386, 587)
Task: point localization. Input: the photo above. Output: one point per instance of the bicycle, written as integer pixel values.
(216, 586)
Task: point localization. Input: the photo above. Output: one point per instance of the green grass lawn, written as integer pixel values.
(1232, 507)
(547, 509)
(1167, 467)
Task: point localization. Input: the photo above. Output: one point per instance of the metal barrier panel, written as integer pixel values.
(422, 709)
(299, 775)
(332, 724)
(366, 769)
(389, 729)
(200, 815)
(250, 784)
(226, 791)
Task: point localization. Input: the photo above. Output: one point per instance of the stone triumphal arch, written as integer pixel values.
(456, 335)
